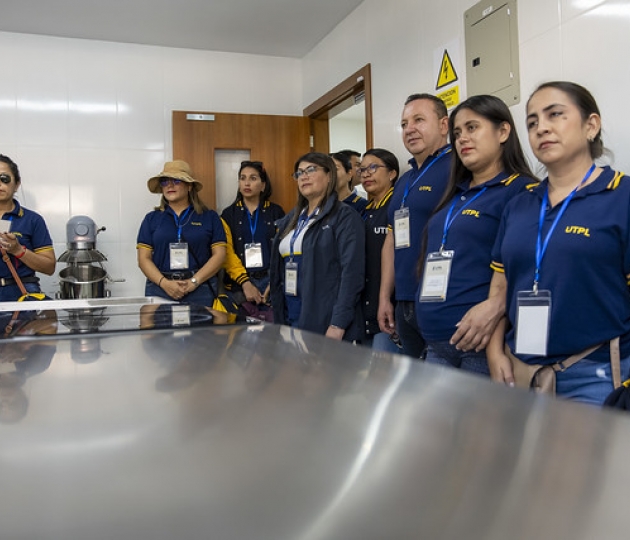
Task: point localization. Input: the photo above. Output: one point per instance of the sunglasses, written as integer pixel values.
(5, 178)
(166, 181)
(250, 163)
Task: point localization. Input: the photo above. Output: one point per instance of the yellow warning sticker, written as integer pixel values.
(447, 73)
(450, 97)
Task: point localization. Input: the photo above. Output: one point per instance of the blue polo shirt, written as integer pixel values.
(586, 265)
(357, 202)
(31, 231)
(429, 182)
(471, 236)
(202, 232)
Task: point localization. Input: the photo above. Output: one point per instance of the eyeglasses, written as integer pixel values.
(166, 181)
(311, 169)
(371, 168)
(5, 178)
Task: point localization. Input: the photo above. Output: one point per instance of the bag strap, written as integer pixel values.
(615, 361)
(16, 277)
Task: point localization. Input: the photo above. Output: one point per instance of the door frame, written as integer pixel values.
(322, 109)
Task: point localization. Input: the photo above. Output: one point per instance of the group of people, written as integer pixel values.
(467, 259)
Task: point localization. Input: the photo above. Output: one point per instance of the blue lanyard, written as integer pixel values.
(449, 221)
(253, 226)
(301, 225)
(180, 221)
(541, 247)
(409, 186)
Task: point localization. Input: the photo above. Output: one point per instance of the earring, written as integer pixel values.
(591, 140)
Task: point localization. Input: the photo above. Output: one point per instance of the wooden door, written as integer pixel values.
(277, 141)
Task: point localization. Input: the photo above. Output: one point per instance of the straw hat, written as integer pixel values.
(177, 169)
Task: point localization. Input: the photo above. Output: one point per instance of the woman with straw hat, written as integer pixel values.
(181, 243)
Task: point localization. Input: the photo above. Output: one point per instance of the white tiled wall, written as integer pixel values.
(580, 40)
(89, 122)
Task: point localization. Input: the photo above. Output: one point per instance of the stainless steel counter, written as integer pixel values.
(268, 433)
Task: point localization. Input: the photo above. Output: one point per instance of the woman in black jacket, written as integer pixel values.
(318, 257)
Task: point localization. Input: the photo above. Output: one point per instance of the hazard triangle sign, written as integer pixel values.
(447, 73)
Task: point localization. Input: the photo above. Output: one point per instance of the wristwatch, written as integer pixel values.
(193, 280)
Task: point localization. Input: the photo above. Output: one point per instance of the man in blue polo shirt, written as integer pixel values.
(424, 124)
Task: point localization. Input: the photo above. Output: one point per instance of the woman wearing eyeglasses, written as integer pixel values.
(24, 237)
(181, 243)
(251, 220)
(378, 171)
(317, 257)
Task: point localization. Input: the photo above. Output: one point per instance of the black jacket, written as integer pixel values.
(332, 271)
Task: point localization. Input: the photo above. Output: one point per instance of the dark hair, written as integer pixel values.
(584, 101)
(438, 104)
(264, 178)
(350, 153)
(513, 159)
(389, 159)
(13, 166)
(326, 163)
(344, 159)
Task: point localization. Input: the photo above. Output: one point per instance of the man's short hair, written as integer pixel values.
(440, 108)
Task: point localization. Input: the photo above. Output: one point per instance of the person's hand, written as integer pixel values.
(386, 320)
(335, 332)
(10, 243)
(175, 289)
(251, 292)
(476, 327)
(265, 297)
(189, 286)
(501, 369)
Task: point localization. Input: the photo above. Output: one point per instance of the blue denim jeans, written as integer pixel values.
(445, 354)
(407, 327)
(381, 342)
(588, 381)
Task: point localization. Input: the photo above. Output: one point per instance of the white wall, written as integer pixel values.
(580, 40)
(89, 122)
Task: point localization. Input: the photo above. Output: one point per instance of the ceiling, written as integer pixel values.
(288, 28)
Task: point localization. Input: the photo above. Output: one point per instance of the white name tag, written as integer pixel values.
(402, 237)
(437, 270)
(178, 255)
(533, 313)
(253, 256)
(291, 279)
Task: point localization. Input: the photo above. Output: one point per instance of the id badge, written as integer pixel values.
(533, 313)
(402, 238)
(5, 226)
(253, 256)
(290, 278)
(437, 270)
(179, 255)
(181, 315)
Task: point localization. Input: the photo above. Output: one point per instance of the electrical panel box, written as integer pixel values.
(492, 64)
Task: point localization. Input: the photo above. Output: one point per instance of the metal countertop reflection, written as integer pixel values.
(266, 432)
